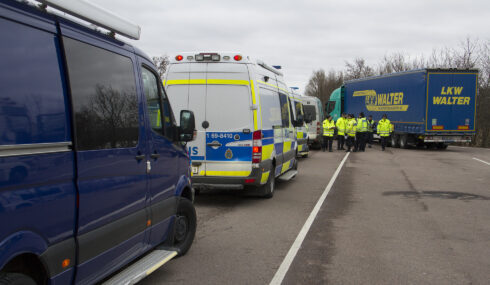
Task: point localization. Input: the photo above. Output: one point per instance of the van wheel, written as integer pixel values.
(267, 190)
(185, 226)
(16, 279)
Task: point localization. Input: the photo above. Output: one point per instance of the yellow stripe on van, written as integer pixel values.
(227, 82)
(300, 135)
(265, 177)
(285, 166)
(254, 101)
(204, 81)
(272, 85)
(286, 147)
(267, 151)
(228, 173)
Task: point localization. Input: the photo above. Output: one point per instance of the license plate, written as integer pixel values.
(195, 169)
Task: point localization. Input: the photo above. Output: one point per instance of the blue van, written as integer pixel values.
(94, 173)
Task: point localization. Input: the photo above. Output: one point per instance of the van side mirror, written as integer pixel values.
(187, 126)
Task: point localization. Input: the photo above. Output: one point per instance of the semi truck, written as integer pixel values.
(427, 107)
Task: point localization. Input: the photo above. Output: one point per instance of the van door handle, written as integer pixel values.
(155, 155)
(139, 156)
(214, 144)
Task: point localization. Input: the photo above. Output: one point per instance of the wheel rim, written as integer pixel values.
(181, 228)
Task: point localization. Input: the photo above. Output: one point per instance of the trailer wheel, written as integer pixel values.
(185, 225)
(394, 140)
(403, 141)
(442, 146)
(15, 279)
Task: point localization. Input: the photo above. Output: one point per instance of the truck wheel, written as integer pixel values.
(15, 279)
(394, 140)
(442, 146)
(185, 226)
(403, 141)
(267, 190)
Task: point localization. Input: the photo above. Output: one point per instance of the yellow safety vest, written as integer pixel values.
(361, 125)
(351, 127)
(341, 125)
(328, 128)
(384, 127)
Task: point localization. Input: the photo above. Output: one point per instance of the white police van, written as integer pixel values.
(314, 112)
(300, 129)
(243, 119)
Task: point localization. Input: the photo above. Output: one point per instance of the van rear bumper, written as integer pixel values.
(232, 183)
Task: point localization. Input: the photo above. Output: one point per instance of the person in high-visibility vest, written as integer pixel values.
(361, 133)
(371, 124)
(328, 131)
(384, 130)
(351, 132)
(341, 125)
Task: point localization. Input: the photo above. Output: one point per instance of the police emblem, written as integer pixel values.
(229, 154)
(237, 137)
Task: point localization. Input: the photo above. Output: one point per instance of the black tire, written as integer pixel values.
(441, 146)
(15, 279)
(403, 141)
(185, 226)
(394, 140)
(267, 190)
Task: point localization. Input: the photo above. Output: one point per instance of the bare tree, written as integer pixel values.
(321, 85)
(357, 69)
(161, 62)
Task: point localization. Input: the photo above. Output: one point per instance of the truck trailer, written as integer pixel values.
(427, 107)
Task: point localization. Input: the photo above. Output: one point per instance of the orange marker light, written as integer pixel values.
(148, 223)
(237, 57)
(179, 58)
(65, 263)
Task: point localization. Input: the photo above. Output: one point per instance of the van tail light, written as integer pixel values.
(257, 147)
(318, 128)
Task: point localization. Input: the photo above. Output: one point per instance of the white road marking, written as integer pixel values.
(288, 260)
(487, 163)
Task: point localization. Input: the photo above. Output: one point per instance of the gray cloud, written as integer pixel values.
(304, 35)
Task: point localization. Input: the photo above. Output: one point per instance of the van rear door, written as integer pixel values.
(451, 100)
(230, 120)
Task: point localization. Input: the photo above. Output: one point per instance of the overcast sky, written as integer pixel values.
(303, 36)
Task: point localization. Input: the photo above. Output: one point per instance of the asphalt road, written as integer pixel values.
(394, 217)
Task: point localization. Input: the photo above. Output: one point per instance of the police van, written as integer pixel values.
(300, 129)
(244, 122)
(94, 178)
(314, 111)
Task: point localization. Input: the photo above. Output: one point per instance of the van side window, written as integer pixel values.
(283, 99)
(154, 104)
(270, 107)
(104, 97)
(32, 103)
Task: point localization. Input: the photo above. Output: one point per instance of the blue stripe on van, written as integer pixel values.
(279, 147)
(267, 141)
(228, 153)
(267, 133)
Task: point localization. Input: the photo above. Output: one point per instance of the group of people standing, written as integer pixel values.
(354, 133)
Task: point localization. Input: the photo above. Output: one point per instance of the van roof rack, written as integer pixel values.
(96, 15)
(271, 69)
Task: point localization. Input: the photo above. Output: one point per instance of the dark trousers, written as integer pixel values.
(340, 141)
(361, 141)
(370, 138)
(327, 142)
(384, 140)
(350, 142)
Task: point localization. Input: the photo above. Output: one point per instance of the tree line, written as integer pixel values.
(469, 54)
